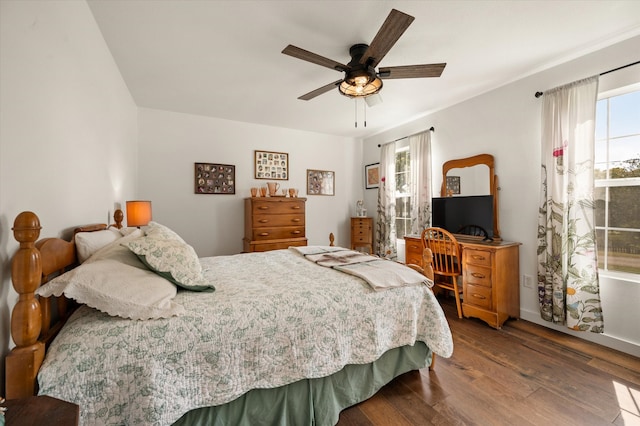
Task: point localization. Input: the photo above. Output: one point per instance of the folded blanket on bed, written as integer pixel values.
(380, 274)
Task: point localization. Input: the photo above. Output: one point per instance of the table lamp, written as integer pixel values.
(138, 213)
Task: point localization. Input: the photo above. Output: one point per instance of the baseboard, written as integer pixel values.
(601, 339)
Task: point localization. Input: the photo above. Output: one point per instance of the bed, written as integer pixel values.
(261, 338)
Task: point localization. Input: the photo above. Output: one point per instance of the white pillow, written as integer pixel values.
(116, 282)
(87, 243)
(167, 254)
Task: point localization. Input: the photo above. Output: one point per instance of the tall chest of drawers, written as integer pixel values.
(490, 277)
(362, 233)
(272, 223)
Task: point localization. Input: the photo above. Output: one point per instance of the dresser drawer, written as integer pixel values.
(478, 275)
(277, 207)
(413, 251)
(274, 220)
(361, 221)
(477, 257)
(477, 295)
(266, 246)
(361, 238)
(260, 234)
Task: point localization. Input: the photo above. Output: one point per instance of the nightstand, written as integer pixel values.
(41, 410)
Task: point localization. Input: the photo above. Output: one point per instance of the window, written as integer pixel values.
(617, 181)
(403, 197)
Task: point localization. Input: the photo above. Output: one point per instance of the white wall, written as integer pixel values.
(68, 127)
(506, 123)
(170, 143)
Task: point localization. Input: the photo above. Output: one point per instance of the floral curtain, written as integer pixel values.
(568, 289)
(420, 156)
(386, 223)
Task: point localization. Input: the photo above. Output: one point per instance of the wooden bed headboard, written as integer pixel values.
(33, 325)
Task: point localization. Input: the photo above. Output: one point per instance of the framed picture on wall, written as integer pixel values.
(372, 176)
(453, 185)
(320, 182)
(271, 165)
(211, 178)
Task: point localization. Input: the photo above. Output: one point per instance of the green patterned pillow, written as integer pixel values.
(168, 255)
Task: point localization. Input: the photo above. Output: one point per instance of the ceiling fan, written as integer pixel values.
(360, 76)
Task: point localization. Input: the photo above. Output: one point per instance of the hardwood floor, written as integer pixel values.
(524, 374)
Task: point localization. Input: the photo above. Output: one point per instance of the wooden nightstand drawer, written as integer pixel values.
(477, 295)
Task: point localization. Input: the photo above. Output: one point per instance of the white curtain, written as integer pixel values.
(386, 225)
(568, 288)
(420, 157)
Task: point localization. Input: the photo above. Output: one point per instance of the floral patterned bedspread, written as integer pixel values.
(274, 319)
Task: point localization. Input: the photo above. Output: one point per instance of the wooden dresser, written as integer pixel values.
(362, 233)
(490, 277)
(272, 223)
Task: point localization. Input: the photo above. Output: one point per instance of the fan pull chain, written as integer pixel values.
(364, 107)
(356, 113)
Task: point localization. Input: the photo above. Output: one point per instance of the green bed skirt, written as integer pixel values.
(313, 401)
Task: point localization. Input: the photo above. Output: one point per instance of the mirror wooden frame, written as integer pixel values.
(481, 159)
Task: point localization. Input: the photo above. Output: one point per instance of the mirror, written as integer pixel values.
(472, 176)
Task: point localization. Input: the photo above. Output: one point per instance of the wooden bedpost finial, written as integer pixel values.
(331, 239)
(118, 216)
(26, 318)
(26, 273)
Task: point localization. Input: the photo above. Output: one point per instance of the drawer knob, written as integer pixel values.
(295, 220)
(478, 296)
(295, 207)
(263, 207)
(296, 232)
(264, 234)
(478, 257)
(263, 220)
(478, 275)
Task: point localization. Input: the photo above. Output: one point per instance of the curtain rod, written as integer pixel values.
(538, 94)
(431, 129)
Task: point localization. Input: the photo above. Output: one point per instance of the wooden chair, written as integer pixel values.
(446, 260)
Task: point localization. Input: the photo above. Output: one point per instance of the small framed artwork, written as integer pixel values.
(453, 184)
(271, 165)
(320, 182)
(213, 178)
(372, 175)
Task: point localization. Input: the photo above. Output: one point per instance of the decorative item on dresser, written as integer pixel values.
(362, 233)
(272, 223)
(490, 277)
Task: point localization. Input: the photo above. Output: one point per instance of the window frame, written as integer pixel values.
(609, 182)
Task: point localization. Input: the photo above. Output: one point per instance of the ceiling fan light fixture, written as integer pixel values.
(360, 83)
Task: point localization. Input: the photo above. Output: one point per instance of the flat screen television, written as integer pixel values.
(452, 213)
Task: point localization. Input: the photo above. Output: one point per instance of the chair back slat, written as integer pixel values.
(445, 249)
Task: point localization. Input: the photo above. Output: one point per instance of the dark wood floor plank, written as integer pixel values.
(523, 374)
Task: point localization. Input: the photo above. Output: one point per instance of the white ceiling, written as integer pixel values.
(223, 58)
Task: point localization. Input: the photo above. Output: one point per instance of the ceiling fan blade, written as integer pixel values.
(393, 27)
(411, 71)
(305, 55)
(320, 91)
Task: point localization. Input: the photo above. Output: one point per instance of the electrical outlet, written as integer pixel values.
(527, 281)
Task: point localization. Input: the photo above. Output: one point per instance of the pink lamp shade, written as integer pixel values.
(138, 213)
